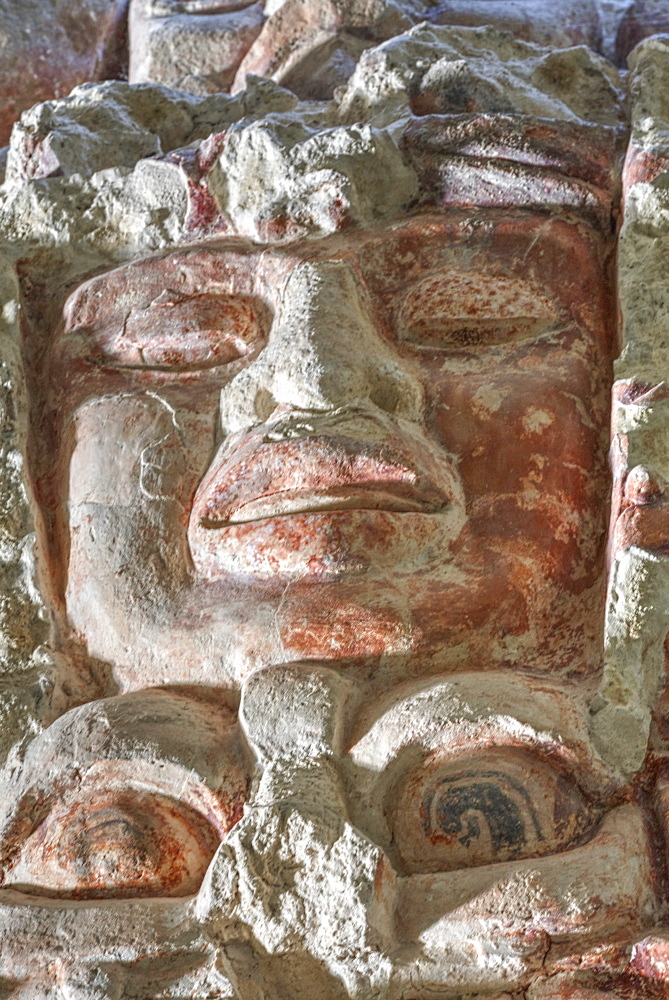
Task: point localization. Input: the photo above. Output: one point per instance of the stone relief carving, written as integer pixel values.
(316, 681)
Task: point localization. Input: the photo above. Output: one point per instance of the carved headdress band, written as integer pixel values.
(445, 116)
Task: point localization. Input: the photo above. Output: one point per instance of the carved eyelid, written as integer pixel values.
(458, 308)
(168, 769)
(453, 735)
(165, 833)
(194, 310)
(498, 805)
(177, 332)
(116, 843)
(473, 803)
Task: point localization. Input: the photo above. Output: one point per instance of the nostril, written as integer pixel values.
(395, 392)
(386, 397)
(264, 404)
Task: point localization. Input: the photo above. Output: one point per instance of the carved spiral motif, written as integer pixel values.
(482, 810)
(501, 806)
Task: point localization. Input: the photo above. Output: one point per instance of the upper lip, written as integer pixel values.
(307, 464)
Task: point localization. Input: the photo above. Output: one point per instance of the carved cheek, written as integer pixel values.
(596, 889)
(531, 442)
(134, 465)
(127, 449)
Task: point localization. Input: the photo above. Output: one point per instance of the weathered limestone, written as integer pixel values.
(190, 44)
(312, 46)
(323, 688)
(636, 626)
(205, 46)
(47, 47)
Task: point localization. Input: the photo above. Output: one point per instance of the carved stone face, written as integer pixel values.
(389, 443)
(323, 531)
(385, 449)
(451, 834)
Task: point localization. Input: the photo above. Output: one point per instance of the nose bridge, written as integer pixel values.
(324, 353)
(322, 309)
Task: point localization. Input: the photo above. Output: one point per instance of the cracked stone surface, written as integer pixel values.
(334, 559)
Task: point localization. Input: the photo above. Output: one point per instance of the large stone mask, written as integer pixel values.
(310, 426)
(318, 436)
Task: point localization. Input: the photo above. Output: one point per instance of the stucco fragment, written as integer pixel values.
(47, 48)
(634, 669)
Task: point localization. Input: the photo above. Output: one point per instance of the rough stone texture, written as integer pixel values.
(312, 46)
(29, 678)
(636, 628)
(319, 685)
(47, 47)
(204, 46)
(191, 45)
(641, 19)
(451, 71)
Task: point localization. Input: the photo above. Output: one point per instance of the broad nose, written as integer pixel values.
(324, 353)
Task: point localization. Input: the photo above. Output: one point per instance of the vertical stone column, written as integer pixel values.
(638, 606)
(26, 675)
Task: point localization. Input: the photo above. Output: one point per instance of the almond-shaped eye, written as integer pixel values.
(501, 806)
(183, 333)
(116, 845)
(453, 309)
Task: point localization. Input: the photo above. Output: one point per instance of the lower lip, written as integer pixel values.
(323, 545)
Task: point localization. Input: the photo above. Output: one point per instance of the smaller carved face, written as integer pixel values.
(458, 834)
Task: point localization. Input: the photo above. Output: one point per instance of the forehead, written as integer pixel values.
(564, 257)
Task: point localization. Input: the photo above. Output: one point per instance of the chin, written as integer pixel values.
(324, 545)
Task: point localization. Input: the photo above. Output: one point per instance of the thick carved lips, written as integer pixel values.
(267, 474)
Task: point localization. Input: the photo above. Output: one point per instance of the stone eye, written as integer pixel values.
(179, 333)
(466, 309)
(115, 845)
(500, 806)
